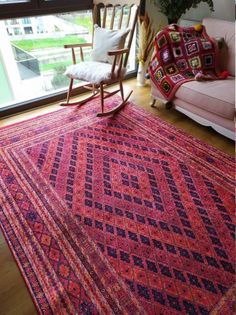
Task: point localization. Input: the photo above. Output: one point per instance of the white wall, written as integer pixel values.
(157, 18)
(224, 9)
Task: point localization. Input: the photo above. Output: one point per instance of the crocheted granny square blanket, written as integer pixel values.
(182, 54)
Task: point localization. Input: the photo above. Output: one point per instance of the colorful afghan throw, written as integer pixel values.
(181, 54)
(121, 215)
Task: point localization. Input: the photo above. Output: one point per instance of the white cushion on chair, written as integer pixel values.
(92, 71)
(105, 40)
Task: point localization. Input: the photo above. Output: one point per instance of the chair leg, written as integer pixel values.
(121, 90)
(102, 97)
(81, 102)
(69, 91)
(117, 108)
(153, 102)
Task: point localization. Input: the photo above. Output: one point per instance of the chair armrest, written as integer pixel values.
(117, 52)
(78, 45)
(118, 56)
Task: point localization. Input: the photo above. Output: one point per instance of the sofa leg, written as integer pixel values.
(153, 102)
(169, 105)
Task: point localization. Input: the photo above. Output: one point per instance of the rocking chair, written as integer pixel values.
(114, 25)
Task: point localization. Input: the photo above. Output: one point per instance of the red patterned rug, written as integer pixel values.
(122, 215)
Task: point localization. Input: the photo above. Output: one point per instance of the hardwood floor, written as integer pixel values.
(14, 296)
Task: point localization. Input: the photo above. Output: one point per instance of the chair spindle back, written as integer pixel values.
(119, 15)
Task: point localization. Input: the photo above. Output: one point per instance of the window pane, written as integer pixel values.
(32, 57)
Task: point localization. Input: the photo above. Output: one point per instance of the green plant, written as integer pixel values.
(174, 9)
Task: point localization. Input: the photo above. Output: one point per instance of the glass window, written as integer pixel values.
(33, 58)
(28, 30)
(26, 20)
(14, 22)
(17, 31)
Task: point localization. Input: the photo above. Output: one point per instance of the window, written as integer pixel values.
(32, 57)
(17, 31)
(24, 8)
(26, 20)
(28, 30)
(13, 22)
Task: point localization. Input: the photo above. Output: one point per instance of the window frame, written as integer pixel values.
(8, 10)
(41, 7)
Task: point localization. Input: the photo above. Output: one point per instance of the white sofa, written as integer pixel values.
(211, 103)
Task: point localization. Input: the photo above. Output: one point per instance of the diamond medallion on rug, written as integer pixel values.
(122, 215)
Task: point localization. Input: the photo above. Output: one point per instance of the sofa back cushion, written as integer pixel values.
(218, 29)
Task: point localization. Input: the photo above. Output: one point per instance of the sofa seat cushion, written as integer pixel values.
(216, 97)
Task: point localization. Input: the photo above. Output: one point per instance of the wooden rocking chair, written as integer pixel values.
(120, 15)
